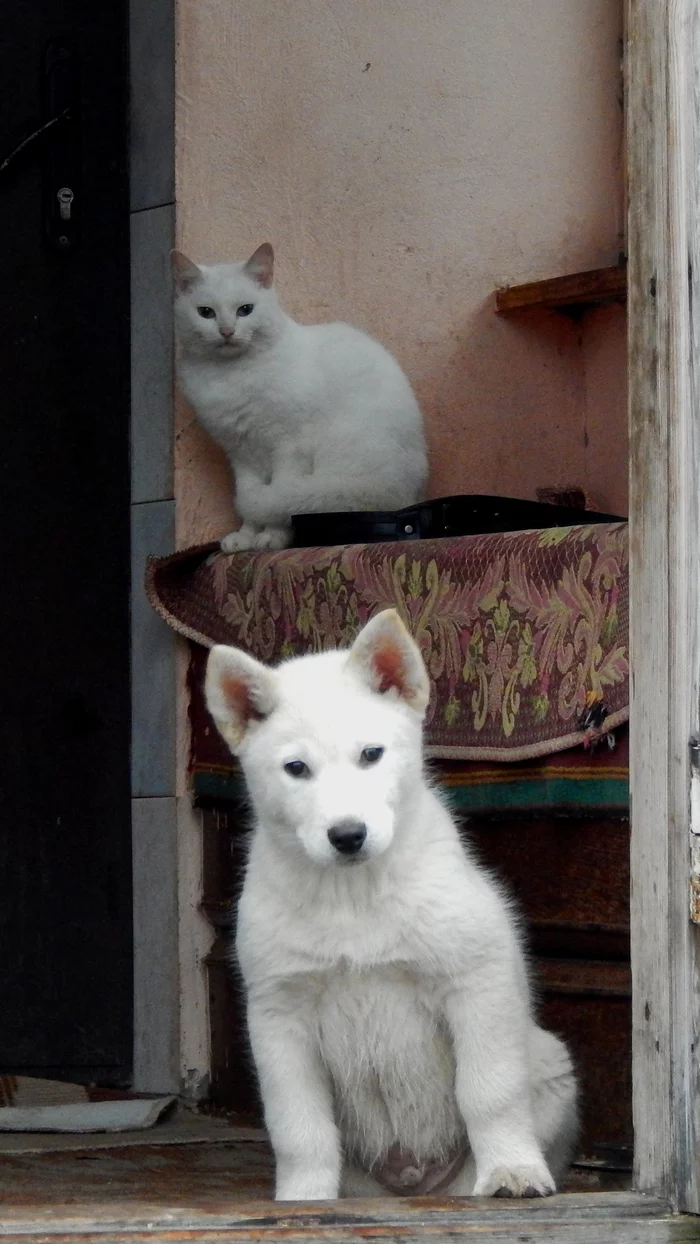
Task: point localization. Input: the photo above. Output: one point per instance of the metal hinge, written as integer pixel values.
(695, 830)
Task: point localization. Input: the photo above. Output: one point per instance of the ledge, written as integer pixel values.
(579, 290)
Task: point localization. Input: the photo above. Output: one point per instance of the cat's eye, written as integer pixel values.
(245, 309)
(207, 313)
(370, 756)
(297, 769)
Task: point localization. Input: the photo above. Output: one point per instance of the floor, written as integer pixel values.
(199, 1177)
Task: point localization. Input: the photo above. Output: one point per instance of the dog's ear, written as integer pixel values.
(385, 657)
(238, 691)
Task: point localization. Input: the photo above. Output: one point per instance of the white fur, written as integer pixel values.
(313, 418)
(388, 1000)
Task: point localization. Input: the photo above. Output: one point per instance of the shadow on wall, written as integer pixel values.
(554, 394)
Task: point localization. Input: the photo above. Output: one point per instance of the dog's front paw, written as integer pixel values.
(316, 1185)
(517, 1181)
(239, 541)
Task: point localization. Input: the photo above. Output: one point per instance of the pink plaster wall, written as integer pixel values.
(406, 157)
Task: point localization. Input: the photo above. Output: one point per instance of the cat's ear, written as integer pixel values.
(260, 265)
(185, 273)
(387, 659)
(239, 691)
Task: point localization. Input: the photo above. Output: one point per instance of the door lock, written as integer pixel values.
(65, 197)
(61, 183)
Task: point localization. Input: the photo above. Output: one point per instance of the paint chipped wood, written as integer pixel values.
(218, 1191)
(572, 1219)
(663, 142)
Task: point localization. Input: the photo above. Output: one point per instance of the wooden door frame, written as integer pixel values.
(663, 153)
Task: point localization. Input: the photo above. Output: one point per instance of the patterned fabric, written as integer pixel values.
(581, 779)
(584, 780)
(520, 631)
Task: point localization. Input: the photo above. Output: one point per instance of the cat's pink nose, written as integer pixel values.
(227, 333)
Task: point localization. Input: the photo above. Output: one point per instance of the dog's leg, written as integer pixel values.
(554, 1110)
(298, 1106)
(553, 1096)
(490, 1030)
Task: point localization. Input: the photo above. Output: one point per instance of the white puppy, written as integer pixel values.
(389, 1010)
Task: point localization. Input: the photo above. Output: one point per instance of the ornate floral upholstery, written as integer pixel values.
(520, 631)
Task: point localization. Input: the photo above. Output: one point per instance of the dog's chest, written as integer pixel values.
(389, 1055)
(384, 1014)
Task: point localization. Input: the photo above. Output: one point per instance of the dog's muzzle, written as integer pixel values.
(347, 836)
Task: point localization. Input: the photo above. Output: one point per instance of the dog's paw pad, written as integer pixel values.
(527, 1190)
(519, 1181)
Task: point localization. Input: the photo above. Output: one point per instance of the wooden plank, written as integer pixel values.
(598, 286)
(657, 1231)
(573, 1219)
(684, 603)
(664, 265)
(584, 978)
(169, 1190)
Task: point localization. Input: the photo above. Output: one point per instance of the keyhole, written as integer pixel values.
(65, 198)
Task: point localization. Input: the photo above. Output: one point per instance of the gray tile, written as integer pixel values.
(156, 958)
(151, 355)
(152, 103)
(153, 675)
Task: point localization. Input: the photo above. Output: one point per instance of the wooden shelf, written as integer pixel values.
(581, 289)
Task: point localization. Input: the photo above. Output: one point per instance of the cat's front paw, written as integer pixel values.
(239, 541)
(516, 1181)
(272, 538)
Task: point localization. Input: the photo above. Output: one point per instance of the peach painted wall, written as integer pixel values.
(406, 157)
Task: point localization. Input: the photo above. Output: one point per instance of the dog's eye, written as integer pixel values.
(370, 756)
(245, 309)
(297, 769)
(207, 313)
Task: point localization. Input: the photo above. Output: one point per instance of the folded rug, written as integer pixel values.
(521, 631)
(29, 1104)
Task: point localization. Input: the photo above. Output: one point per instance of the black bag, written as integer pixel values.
(431, 520)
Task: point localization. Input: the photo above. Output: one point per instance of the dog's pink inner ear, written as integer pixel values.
(239, 699)
(386, 659)
(390, 669)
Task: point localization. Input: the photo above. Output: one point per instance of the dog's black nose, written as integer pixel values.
(347, 836)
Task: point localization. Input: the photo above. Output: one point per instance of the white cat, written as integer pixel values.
(313, 418)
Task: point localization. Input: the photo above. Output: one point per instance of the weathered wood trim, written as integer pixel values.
(663, 146)
(573, 1219)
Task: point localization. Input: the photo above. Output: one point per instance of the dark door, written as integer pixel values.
(65, 882)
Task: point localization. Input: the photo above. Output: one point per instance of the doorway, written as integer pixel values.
(65, 838)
